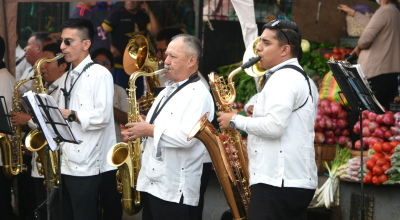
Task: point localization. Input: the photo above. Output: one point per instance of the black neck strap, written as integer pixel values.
(193, 78)
(68, 93)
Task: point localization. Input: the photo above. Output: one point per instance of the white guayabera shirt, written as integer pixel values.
(178, 170)
(281, 142)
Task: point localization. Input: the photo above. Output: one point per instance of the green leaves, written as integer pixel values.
(314, 64)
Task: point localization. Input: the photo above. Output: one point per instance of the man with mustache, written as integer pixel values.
(169, 179)
(86, 99)
(283, 173)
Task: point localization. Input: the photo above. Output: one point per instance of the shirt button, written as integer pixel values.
(182, 168)
(256, 151)
(76, 167)
(254, 173)
(180, 190)
(78, 150)
(81, 104)
(151, 183)
(281, 151)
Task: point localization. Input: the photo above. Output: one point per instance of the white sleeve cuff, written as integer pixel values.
(241, 122)
(32, 124)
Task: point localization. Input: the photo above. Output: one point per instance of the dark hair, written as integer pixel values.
(167, 34)
(291, 30)
(85, 27)
(105, 52)
(2, 49)
(192, 44)
(55, 49)
(40, 37)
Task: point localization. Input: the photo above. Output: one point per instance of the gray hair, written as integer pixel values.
(40, 37)
(192, 45)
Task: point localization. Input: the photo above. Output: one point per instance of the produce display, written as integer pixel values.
(325, 194)
(394, 171)
(350, 170)
(380, 163)
(331, 124)
(337, 54)
(375, 128)
(314, 64)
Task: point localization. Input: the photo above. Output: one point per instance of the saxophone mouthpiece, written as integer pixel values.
(251, 62)
(160, 72)
(59, 56)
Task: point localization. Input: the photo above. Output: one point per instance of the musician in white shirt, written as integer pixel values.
(282, 168)
(172, 166)
(20, 62)
(7, 83)
(33, 51)
(86, 93)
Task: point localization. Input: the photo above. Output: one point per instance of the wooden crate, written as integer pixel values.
(324, 153)
(357, 153)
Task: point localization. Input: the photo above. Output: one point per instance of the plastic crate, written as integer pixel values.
(353, 41)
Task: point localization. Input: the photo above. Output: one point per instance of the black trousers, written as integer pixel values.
(80, 198)
(41, 196)
(158, 209)
(110, 198)
(6, 209)
(205, 176)
(278, 203)
(26, 191)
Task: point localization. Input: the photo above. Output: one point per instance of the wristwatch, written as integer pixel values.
(72, 116)
(232, 122)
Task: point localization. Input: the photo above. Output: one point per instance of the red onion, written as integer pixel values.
(327, 111)
(395, 130)
(388, 119)
(397, 115)
(334, 125)
(319, 137)
(325, 103)
(371, 116)
(389, 113)
(349, 144)
(366, 132)
(318, 129)
(319, 116)
(384, 128)
(356, 128)
(379, 119)
(322, 123)
(342, 123)
(378, 133)
(335, 109)
(365, 114)
(338, 132)
(328, 133)
(328, 124)
(395, 138)
(366, 142)
(343, 140)
(342, 114)
(373, 140)
(330, 140)
(365, 122)
(358, 145)
(346, 132)
(387, 135)
(372, 126)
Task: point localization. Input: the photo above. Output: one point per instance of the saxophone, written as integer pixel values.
(35, 140)
(127, 156)
(231, 163)
(11, 150)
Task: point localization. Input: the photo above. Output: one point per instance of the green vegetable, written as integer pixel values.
(314, 64)
(346, 45)
(324, 45)
(331, 46)
(314, 46)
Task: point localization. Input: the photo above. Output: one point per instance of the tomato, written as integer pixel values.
(387, 158)
(368, 179)
(375, 180)
(348, 51)
(337, 56)
(386, 147)
(386, 167)
(381, 162)
(377, 156)
(240, 105)
(378, 147)
(377, 170)
(369, 172)
(370, 164)
(394, 143)
(327, 55)
(382, 178)
(336, 51)
(392, 151)
(342, 51)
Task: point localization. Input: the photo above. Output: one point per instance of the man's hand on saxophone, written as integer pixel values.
(20, 118)
(139, 129)
(224, 119)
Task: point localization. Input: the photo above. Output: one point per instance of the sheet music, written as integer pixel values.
(49, 136)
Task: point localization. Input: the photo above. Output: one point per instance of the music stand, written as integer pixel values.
(5, 124)
(356, 89)
(56, 130)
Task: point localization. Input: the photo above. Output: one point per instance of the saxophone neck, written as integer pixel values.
(38, 87)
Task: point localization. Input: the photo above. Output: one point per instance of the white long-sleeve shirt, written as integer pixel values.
(23, 64)
(178, 171)
(28, 85)
(120, 102)
(7, 83)
(281, 142)
(92, 99)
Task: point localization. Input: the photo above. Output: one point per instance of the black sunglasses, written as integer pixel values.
(276, 23)
(68, 42)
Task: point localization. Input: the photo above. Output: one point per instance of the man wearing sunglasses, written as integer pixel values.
(283, 173)
(86, 99)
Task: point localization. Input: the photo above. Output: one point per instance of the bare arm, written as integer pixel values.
(120, 116)
(155, 26)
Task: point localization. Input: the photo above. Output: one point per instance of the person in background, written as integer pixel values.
(20, 62)
(283, 173)
(134, 18)
(378, 53)
(109, 196)
(7, 83)
(84, 10)
(51, 74)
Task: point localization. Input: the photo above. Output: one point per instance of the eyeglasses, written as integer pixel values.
(162, 51)
(276, 23)
(104, 63)
(68, 42)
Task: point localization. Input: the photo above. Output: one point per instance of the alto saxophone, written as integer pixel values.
(231, 163)
(35, 140)
(11, 150)
(127, 156)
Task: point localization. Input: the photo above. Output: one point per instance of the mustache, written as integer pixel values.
(167, 67)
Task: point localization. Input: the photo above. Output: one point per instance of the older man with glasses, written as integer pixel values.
(283, 173)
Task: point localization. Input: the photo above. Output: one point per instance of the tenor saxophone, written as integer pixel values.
(231, 162)
(35, 140)
(11, 150)
(127, 156)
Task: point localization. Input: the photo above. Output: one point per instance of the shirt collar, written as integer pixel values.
(277, 67)
(54, 84)
(172, 84)
(79, 68)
